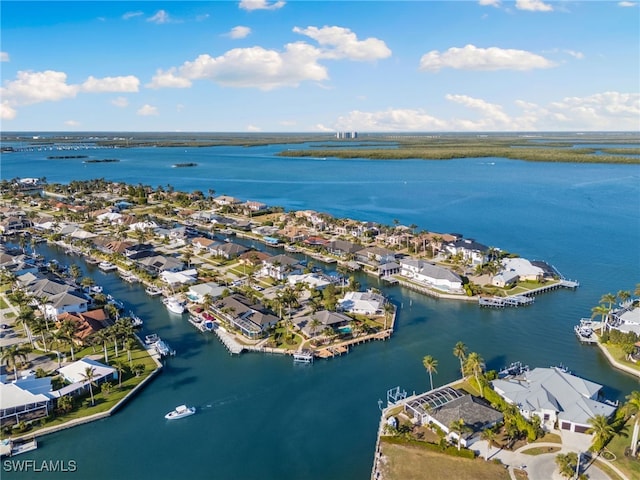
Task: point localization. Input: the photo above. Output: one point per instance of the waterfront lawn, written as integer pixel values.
(618, 354)
(102, 402)
(409, 462)
(3, 304)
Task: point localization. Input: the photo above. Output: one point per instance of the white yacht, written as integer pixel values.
(180, 411)
(107, 266)
(174, 305)
(153, 291)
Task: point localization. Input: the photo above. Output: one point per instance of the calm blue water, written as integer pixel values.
(260, 417)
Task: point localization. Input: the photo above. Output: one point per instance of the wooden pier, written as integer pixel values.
(229, 341)
(501, 302)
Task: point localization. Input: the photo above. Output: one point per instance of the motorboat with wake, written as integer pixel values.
(180, 411)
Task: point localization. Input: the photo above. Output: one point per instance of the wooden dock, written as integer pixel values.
(228, 340)
(501, 302)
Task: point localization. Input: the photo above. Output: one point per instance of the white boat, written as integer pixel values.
(153, 291)
(174, 305)
(95, 289)
(106, 266)
(136, 321)
(180, 411)
(163, 348)
(151, 339)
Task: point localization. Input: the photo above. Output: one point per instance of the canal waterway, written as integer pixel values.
(261, 416)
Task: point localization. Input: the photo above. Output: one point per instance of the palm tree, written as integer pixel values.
(75, 272)
(460, 352)
(313, 325)
(389, 309)
(623, 295)
(12, 355)
(430, 364)
(489, 435)
(459, 427)
(473, 366)
(89, 377)
(602, 431)
(609, 298)
(604, 312)
(632, 408)
(67, 330)
(120, 367)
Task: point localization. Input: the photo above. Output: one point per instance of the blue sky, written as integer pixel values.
(307, 66)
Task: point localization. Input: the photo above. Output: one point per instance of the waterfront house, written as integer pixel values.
(280, 266)
(365, 303)
(561, 400)
(74, 372)
(522, 267)
(473, 252)
(446, 405)
(326, 318)
(312, 280)
(85, 323)
(197, 293)
(375, 256)
(176, 279)
(228, 250)
(252, 319)
(431, 275)
(507, 278)
(26, 398)
(226, 200)
(202, 243)
(156, 264)
(342, 248)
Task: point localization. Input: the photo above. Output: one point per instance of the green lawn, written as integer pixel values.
(104, 402)
(618, 354)
(617, 446)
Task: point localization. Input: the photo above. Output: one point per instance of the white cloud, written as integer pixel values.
(239, 32)
(627, 4)
(129, 15)
(253, 128)
(35, 87)
(202, 18)
(258, 67)
(602, 111)
(72, 123)
(160, 17)
(147, 110)
(489, 3)
(573, 53)
(471, 57)
(251, 5)
(4, 57)
(128, 83)
(7, 112)
(390, 120)
(341, 42)
(319, 127)
(120, 102)
(168, 79)
(533, 6)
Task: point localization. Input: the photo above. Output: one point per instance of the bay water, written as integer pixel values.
(261, 416)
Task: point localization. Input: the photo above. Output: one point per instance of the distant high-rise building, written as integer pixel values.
(343, 135)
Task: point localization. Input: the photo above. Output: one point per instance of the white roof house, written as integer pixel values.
(75, 371)
(367, 303)
(555, 396)
(198, 292)
(523, 268)
(431, 275)
(179, 278)
(311, 279)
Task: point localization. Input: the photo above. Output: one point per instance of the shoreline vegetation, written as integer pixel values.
(538, 147)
